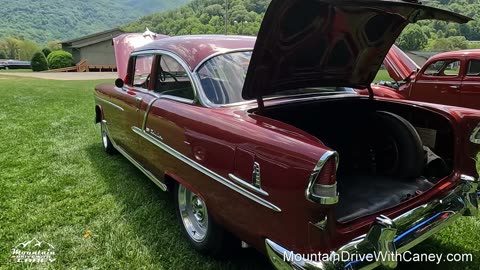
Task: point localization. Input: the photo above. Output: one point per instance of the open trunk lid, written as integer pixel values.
(314, 43)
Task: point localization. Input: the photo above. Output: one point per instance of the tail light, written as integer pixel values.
(322, 186)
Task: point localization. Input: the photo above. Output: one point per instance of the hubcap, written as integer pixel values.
(194, 214)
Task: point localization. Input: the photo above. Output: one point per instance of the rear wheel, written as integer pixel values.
(107, 144)
(202, 232)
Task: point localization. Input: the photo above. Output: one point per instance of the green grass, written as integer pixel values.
(15, 70)
(56, 183)
(382, 75)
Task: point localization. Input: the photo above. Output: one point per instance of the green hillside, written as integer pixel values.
(47, 20)
(245, 16)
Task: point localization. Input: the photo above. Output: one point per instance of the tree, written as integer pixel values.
(59, 59)
(412, 38)
(54, 45)
(39, 62)
(46, 51)
(3, 55)
(11, 47)
(26, 49)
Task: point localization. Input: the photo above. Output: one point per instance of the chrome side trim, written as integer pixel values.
(145, 117)
(247, 185)
(147, 173)
(110, 103)
(309, 192)
(205, 170)
(467, 178)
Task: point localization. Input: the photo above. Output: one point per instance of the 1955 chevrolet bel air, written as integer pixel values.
(265, 140)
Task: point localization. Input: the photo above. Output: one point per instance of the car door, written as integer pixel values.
(439, 82)
(470, 91)
(131, 98)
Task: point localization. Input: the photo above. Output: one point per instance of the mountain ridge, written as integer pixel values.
(47, 20)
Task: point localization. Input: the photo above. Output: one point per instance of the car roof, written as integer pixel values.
(475, 52)
(194, 49)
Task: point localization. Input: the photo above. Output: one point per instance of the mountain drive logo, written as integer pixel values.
(33, 251)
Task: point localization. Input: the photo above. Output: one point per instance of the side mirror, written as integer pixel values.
(119, 83)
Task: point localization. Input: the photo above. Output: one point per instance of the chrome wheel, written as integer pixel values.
(193, 213)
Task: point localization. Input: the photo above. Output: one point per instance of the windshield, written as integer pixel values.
(223, 76)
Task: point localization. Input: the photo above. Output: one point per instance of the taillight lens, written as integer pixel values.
(328, 174)
(322, 187)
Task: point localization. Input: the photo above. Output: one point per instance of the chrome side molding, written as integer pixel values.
(109, 103)
(234, 186)
(247, 185)
(147, 173)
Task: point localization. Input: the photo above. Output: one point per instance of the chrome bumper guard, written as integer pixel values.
(387, 236)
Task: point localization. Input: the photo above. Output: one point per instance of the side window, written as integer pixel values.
(172, 79)
(143, 68)
(473, 68)
(443, 68)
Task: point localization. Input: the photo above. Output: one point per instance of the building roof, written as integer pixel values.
(92, 38)
(193, 49)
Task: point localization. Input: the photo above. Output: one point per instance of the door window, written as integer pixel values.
(443, 68)
(173, 80)
(473, 68)
(143, 68)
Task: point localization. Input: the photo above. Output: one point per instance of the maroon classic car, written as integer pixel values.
(265, 141)
(451, 78)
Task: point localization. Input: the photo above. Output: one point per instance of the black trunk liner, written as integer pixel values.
(365, 195)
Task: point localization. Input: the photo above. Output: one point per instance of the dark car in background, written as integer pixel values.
(15, 64)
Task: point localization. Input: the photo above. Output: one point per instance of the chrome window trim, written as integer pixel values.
(203, 97)
(244, 184)
(134, 162)
(309, 193)
(110, 103)
(205, 170)
(196, 99)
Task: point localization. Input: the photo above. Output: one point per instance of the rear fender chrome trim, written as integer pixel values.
(205, 170)
(110, 103)
(147, 173)
(247, 185)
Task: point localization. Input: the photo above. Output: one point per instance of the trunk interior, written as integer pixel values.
(388, 152)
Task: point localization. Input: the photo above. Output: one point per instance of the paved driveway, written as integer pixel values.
(65, 76)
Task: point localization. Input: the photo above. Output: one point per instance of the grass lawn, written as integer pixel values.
(15, 70)
(56, 183)
(382, 75)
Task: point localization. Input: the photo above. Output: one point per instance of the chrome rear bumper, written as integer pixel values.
(387, 236)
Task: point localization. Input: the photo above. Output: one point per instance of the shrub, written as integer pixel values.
(39, 62)
(59, 59)
(46, 51)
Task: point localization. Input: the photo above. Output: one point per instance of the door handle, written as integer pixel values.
(454, 86)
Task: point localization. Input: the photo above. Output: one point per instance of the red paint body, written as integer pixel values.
(461, 90)
(228, 139)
